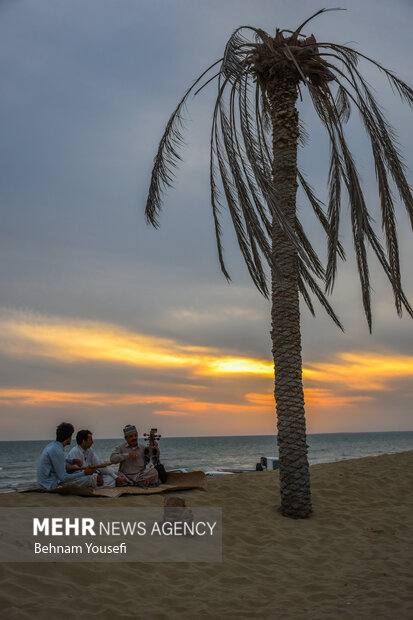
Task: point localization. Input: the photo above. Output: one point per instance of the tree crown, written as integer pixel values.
(241, 157)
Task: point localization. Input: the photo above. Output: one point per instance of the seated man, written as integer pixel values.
(130, 455)
(51, 468)
(84, 452)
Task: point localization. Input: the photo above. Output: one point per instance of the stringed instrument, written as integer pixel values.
(151, 452)
(100, 466)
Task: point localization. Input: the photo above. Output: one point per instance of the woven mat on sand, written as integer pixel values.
(176, 481)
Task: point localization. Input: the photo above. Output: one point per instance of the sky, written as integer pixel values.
(106, 321)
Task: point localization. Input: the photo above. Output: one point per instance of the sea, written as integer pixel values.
(18, 458)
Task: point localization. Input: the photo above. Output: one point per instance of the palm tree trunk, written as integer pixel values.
(285, 311)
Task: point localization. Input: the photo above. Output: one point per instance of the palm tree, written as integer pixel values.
(253, 169)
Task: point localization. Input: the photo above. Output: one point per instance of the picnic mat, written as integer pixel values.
(174, 482)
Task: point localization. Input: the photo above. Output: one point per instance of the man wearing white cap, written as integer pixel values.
(130, 456)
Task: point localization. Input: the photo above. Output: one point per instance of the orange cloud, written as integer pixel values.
(171, 413)
(260, 399)
(319, 397)
(78, 341)
(47, 398)
(314, 397)
(173, 406)
(360, 371)
(72, 341)
(212, 409)
(334, 384)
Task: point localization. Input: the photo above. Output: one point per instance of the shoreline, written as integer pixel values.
(312, 460)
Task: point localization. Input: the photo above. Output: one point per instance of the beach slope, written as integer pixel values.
(351, 559)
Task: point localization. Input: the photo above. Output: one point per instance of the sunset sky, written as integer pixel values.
(105, 321)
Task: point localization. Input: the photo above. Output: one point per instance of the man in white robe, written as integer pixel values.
(133, 465)
(107, 477)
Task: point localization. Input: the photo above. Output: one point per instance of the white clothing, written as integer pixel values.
(89, 457)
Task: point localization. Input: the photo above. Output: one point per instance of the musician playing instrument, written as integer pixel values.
(133, 462)
(84, 454)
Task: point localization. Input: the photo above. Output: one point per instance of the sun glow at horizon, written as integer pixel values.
(204, 381)
(237, 365)
(76, 341)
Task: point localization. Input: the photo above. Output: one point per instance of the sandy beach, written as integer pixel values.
(351, 560)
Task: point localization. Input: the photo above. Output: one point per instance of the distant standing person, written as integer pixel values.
(87, 455)
(51, 468)
(130, 456)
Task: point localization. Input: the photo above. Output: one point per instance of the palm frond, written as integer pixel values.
(301, 26)
(343, 104)
(305, 276)
(167, 157)
(387, 158)
(359, 215)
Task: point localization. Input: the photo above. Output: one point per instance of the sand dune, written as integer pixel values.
(351, 560)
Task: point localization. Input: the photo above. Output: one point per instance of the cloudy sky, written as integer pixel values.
(105, 321)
